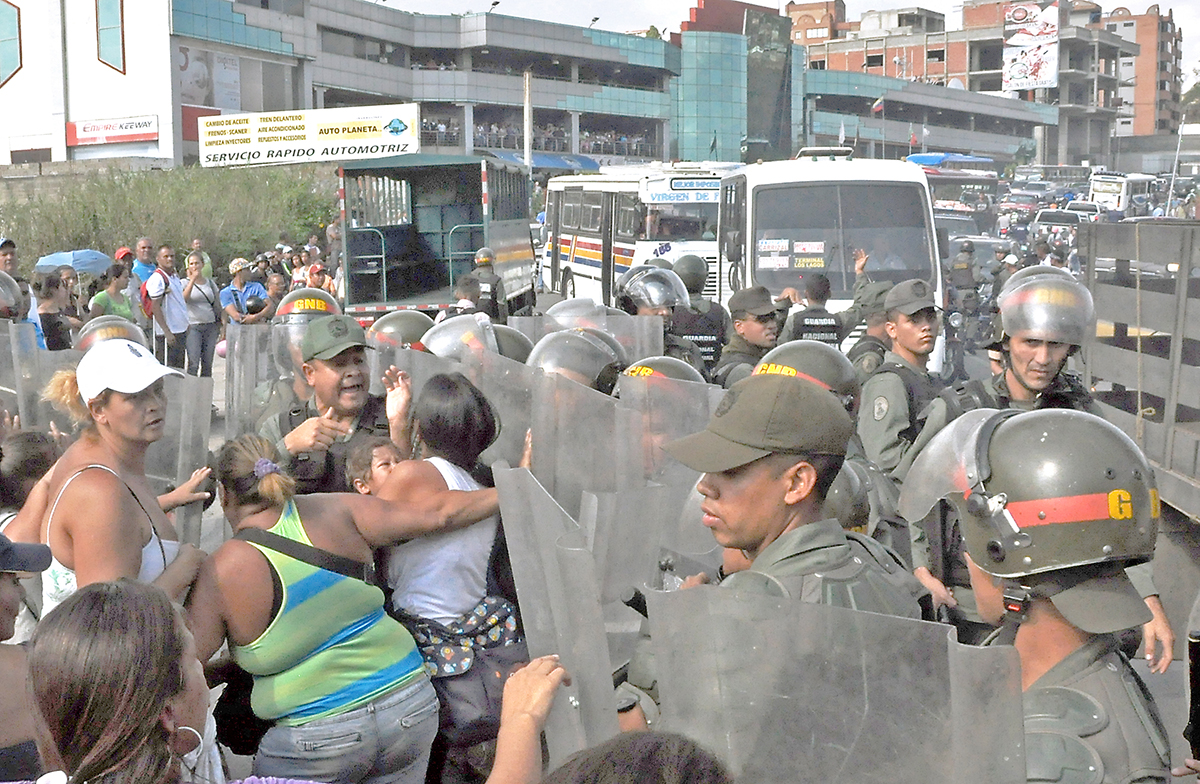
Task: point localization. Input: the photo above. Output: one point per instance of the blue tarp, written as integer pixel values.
(545, 160)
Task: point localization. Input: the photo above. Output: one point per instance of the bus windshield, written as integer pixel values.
(681, 221)
(802, 228)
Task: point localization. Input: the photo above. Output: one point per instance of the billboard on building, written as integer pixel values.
(118, 131)
(208, 78)
(343, 134)
(1030, 45)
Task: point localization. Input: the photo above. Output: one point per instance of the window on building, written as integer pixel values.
(816, 65)
(936, 55)
(816, 32)
(292, 7)
(40, 155)
(361, 47)
(10, 40)
(1127, 25)
(110, 33)
(1112, 28)
(875, 61)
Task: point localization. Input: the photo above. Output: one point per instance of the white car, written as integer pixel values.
(1091, 209)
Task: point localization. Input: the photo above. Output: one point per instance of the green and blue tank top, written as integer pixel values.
(330, 647)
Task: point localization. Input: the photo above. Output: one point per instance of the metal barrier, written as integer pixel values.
(1145, 362)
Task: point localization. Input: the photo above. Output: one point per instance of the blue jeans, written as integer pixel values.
(201, 343)
(383, 742)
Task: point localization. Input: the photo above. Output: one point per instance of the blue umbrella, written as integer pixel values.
(92, 262)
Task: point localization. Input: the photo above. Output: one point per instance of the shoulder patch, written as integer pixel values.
(879, 408)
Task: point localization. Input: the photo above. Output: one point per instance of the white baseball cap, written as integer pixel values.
(120, 365)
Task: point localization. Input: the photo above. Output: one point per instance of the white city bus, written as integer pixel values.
(599, 225)
(1122, 195)
(782, 220)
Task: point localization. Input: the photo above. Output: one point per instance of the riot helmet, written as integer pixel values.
(512, 343)
(609, 340)
(296, 311)
(693, 271)
(1047, 307)
(967, 246)
(10, 297)
(655, 288)
(460, 336)
(848, 500)
(664, 367)
(400, 329)
(107, 328)
(660, 262)
(485, 256)
(1048, 500)
(1002, 248)
(576, 307)
(1038, 491)
(255, 304)
(817, 362)
(579, 356)
(1037, 270)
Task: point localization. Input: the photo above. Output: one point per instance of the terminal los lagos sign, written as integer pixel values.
(312, 135)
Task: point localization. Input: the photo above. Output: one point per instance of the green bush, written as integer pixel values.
(236, 212)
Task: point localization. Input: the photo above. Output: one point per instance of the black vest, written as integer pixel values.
(817, 323)
(704, 324)
(921, 389)
(315, 472)
(867, 344)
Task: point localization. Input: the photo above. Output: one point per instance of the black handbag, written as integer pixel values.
(238, 727)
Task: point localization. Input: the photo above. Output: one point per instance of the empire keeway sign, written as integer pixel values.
(124, 129)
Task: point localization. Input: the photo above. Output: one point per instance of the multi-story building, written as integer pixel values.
(1149, 102)
(107, 78)
(1088, 77)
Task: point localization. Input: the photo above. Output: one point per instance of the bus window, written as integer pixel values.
(814, 228)
(680, 221)
(589, 217)
(570, 209)
(629, 216)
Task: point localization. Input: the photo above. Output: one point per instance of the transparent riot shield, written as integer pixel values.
(508, 385)
(255, 386)
(34, 368)
(670, 409)
(11, 335)
(583, 440)
(559, 596)
(183, 447)
(638, 336)
(420, 367)
(786, 691)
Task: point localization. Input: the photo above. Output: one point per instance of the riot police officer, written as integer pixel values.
(1049, 526)
(700, 320)
(866, 355)
(654, 291)
(1045, 317)
(492, 300)
(580, 356)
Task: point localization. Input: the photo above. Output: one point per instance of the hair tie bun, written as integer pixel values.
(263, 466)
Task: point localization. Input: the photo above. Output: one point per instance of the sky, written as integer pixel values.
(666, 15)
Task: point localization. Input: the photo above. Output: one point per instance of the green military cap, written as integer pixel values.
(755, 300)
(329, 336)
(762, 415)
(910, 297)
(873, 297)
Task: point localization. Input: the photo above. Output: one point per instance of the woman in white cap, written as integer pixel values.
(103, 521)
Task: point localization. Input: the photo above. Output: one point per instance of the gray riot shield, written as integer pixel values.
(34, 367)
(638, 336)
(419, 365)
(508, 385)
(776, 687)
(670, 409)
(559, 594)
(583, 441)
(10, 334)
(183, 447)
(255, 386)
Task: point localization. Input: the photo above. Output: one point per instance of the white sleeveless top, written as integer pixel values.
(58, 582)
(443, 576)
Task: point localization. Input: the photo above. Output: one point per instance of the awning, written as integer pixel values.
(546, 160)
(940, 158)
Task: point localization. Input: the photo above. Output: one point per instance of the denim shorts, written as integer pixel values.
(383, 742)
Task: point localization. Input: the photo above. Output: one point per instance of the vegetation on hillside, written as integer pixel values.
(236, 212)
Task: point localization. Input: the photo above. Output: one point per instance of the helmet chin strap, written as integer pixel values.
(1008, 365)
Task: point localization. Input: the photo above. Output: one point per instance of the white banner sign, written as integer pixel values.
(1030, 45)
(344, 134)
(125, 129)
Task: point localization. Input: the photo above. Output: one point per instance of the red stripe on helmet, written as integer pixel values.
(1066, 509)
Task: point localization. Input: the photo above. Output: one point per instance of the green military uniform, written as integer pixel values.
(892, 400)
(821, 563)
(866, 356)
(737, 361)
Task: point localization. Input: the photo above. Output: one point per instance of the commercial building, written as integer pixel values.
(130, 78)
(1157, 72)
(917, 47)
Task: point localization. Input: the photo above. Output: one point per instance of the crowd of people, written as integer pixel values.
(364, 616)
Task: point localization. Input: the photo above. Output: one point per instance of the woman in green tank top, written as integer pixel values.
(111, 300)
(343, 682)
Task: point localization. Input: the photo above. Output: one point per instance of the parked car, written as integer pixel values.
(1020, 205)
(1056, 224)
(1090, 209)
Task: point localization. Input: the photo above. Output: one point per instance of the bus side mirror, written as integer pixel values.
(733, 247)
(943, 242)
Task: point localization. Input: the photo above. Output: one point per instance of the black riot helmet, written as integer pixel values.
(693, 271)
(967, 246)
(485, 256)
(652, 287)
